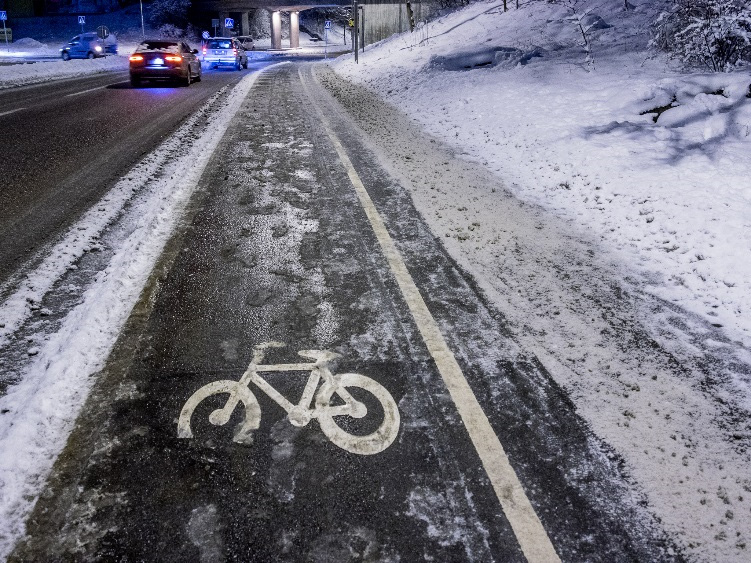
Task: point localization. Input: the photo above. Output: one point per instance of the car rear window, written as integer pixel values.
(171, 46)
(220, 44)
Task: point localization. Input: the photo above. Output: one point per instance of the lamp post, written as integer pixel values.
(143, 29)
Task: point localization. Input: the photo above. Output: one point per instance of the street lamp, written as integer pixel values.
(143, 29)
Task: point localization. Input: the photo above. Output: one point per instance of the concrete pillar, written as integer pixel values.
(294, 30)
(276, 30)
(244, 24)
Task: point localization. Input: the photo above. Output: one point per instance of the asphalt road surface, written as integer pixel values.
(283, 243)
(66, 142)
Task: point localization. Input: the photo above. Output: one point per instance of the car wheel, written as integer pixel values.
(66, 56)
(135, 81)
(90, 55)
(197, 78)
(189, 79)
(245, 64)
(238, 66)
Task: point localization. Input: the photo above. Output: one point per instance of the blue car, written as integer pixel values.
(88, 46)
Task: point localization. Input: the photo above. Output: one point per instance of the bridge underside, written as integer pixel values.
(223, 8)
(275, 7)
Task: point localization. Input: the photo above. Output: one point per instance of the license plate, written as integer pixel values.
(158, 61)
(221, 52)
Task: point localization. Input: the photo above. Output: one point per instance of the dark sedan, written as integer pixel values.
(161, 59)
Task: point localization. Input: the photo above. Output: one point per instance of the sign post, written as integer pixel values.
(215, 24)
(326, 28)
(103, 33)
(81, 21)
(4, 17)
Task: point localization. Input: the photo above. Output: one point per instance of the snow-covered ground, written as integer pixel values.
(135, 218)
(667, 200)
(674, 195)
(651, 166)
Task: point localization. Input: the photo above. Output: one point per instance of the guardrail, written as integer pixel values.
(6, 32)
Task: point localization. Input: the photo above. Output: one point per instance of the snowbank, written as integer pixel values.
(594, 141)
(650, 163)
(42, 71)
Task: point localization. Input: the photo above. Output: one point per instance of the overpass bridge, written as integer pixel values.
(399, 14)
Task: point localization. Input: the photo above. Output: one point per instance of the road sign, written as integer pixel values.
(102, 32)
(3, 18)
(82, 20)
(328, 24)
(205, 35)
(351, 23)
(229, 23)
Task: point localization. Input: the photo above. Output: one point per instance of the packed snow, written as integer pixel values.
(649, 161)
(635, 173)
(38, 413)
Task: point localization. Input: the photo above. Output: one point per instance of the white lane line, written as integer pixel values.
(11, 111)
(532, 537)
(93, 89)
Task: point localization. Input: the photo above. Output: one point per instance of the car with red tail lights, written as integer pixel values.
(164, 59)
(224, 51)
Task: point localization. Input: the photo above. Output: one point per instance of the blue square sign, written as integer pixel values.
(328, 24)
(82, 19)
(3, 16)
(229, 23)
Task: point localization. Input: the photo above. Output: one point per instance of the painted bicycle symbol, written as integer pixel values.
(312, 404)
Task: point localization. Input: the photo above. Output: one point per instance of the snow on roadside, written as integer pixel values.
(649, 167)
(39, 412)
(671, 195)
(42, 71)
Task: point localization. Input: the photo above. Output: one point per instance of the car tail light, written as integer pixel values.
(204, 50)
(173, 58)
(136, 58)
(234, 52)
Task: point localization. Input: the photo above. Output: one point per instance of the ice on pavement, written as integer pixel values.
(38, 413)
(629, 224)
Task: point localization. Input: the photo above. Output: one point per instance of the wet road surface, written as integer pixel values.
(67, 142)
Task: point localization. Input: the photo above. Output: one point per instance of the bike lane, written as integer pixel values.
(277, 248)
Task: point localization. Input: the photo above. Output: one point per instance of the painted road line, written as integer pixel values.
(529, 532)
(11, 111)
(94, 89)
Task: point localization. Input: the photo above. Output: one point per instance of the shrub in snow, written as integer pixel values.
(711, 33)
(170, 12)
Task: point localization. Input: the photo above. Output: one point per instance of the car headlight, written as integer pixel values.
(98, 49)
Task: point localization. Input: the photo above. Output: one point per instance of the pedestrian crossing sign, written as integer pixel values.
(82, 20)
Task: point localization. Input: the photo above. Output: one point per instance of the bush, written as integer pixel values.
(711, 33)
(170, 12)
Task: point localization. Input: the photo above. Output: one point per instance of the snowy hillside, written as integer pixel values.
(650, 162)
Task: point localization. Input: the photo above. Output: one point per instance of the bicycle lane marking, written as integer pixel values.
(532, 537)
(302, 413)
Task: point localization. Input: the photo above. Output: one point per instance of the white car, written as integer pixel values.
(224, 51)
